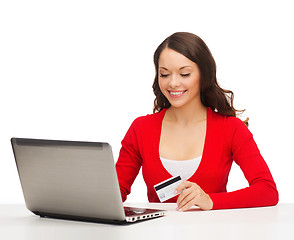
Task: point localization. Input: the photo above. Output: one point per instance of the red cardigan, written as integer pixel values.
(227, 139)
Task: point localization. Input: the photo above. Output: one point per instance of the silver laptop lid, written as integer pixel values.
(68, 178)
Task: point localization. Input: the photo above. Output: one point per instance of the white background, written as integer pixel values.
(83, 70)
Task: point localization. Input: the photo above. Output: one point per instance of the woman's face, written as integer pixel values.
(178, 78)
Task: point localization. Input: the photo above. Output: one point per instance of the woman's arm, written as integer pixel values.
(129, 162)
(262, 189)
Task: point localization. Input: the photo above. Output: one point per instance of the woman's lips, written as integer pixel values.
(176, 94)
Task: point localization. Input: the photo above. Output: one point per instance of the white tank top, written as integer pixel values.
(185, 168)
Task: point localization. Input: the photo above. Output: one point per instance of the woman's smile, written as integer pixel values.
(176, 94)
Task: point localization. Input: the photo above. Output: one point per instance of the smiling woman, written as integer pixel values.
(179, 78)
(193, 133)
(197, 55)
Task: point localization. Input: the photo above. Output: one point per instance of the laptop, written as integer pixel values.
(73, 180)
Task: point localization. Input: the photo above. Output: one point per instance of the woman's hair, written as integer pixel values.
(211, 94)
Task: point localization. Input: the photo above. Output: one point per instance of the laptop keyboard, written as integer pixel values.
(129, 212)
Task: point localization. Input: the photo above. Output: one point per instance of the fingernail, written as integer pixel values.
(176, 191)
(180, 210)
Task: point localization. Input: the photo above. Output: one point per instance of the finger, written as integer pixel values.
(188, 205)
(183, 195)
(185, 184)
(190, 187)
(189, 197)
(182, 186)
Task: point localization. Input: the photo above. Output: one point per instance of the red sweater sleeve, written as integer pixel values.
(262, 189)
(129, 161)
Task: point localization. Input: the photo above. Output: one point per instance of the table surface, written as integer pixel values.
(277, 222)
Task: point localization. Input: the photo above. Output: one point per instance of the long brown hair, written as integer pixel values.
(211, 94)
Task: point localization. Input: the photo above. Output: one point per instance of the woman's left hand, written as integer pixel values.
(192, 195)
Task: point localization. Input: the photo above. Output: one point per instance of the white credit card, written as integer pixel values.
(166, 189)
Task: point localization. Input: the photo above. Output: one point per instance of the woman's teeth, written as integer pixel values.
(176, 93)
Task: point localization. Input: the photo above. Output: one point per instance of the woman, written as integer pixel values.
(194, 133)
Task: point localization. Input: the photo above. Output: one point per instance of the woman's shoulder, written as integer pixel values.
(230, 124)
(228, 120)
(149, 119)
(233, 129)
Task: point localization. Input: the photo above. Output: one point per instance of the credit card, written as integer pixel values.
(166, 189)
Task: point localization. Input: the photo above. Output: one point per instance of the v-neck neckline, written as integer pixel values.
(204, 151)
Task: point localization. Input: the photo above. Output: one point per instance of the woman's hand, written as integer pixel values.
(192, 195)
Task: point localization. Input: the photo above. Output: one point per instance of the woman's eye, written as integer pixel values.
(185, 74)
(164, 75)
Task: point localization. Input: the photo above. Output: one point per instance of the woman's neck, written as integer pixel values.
(188, 114)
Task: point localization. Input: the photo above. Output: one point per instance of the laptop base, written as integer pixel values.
(87, 219)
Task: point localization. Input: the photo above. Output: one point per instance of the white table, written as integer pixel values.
(16, 222)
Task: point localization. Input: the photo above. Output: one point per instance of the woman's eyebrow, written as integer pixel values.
(185, 67)
(164, 68)
(179, 68)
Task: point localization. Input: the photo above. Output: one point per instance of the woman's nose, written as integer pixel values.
(173, 83)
